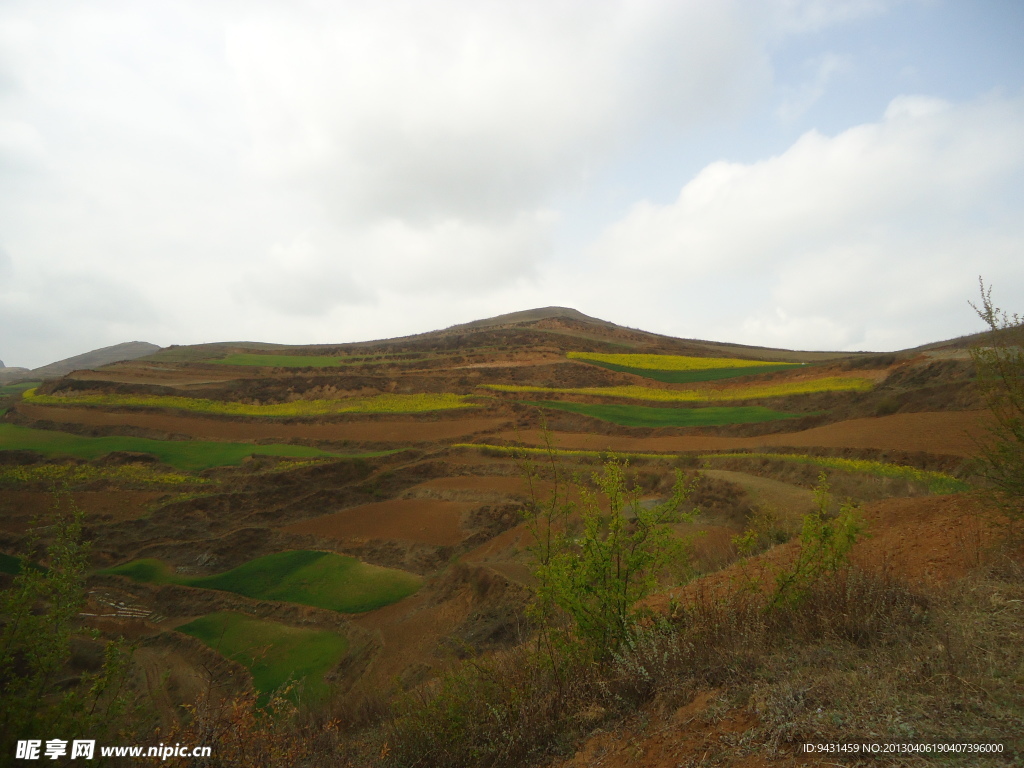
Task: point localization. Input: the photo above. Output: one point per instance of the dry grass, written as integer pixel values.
(863, 656)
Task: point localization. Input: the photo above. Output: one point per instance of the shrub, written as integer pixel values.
(595, 570)
(1000, 376)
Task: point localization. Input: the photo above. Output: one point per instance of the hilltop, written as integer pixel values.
(129, 350)
(367, 497)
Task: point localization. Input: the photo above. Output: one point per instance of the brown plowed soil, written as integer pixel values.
(946, 432)
(19, 508)
(391, 431)
(506, 486)
(425, 520)
(177, 377)
(409, 632)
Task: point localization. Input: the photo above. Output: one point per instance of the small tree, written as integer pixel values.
(593, 567)
(1000, 375)
(39, 615)
(825, 544)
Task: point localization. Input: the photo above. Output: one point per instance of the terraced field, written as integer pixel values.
(275, 654)
(703, 395)
(424, 520)
(645, 416)
(676, 369)
(320, 579)
(416, 554)
(189, 455)
(384, 403)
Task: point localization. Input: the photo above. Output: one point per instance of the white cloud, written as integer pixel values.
(429, 111)
(311, 171)
(863, 239)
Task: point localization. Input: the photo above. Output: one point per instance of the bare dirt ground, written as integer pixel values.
(425, 520)
(390, 431)
(945, 432)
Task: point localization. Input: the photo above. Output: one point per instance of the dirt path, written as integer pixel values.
(390, 431)
(946, 432)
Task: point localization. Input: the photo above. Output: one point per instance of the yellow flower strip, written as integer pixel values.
(669, 362)
(514, 450)
(79, 474)
(386, 403)
(937, 482)
(704, 394)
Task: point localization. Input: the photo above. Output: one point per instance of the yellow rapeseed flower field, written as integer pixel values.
(386, 403)
(704, 394)
(79, 474)
(936, 482)
(669, 362)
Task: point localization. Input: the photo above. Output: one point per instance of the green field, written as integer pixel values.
(703, 394)
(320, 579)
(689, 377)
(188, 455)
(13, 389)
(651, 416)
(675, 362)
(386, 403)
(274, 653)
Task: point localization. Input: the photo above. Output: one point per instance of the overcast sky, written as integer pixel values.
(812, 174)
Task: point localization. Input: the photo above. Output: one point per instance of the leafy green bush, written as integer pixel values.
(595, 566)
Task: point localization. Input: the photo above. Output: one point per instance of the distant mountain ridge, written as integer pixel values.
(128, 350)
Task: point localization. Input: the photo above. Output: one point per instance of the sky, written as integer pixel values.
(805, 174)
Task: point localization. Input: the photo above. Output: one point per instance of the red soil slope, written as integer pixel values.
(390, 431)
(425, 520)
(946, 432)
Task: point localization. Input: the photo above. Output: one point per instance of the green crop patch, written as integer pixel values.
(188, 455)
(746, 391)
(674, 362)
(14, 389)
(320, 579)
(652, 416)
(692, 376)
(385, 403)
(274, 653)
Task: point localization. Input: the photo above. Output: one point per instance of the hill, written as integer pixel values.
(213, 474)
(128, 350)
